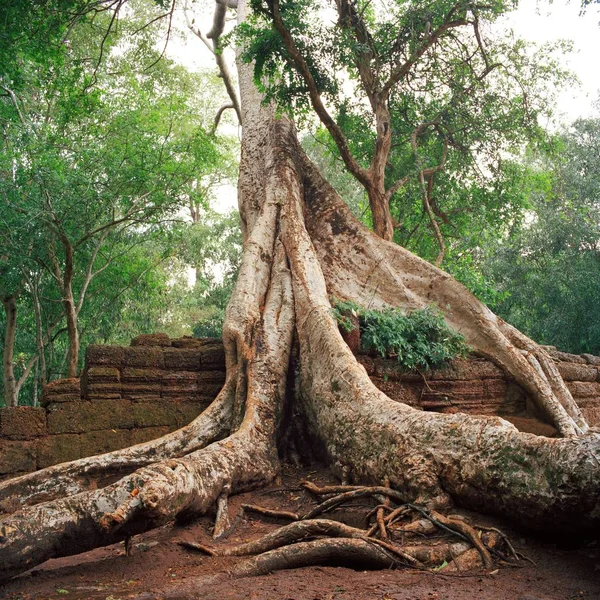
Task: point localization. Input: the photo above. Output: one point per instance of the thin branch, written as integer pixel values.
(363, 175)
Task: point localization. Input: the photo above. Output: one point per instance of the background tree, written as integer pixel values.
(547, 266)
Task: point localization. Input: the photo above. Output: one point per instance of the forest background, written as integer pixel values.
(112, 165)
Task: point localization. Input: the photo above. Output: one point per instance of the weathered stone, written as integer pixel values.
(577, 371)
(591, 359)
(592, 415)
(400, 392)
(583, 389)
(103, 375)
(208, 391)
(154, 414)
(139, 375)
(213, 355)
(61, 390)
(107, 440)
(211, 377)
(367, 362)
(22, 422)
(106, 390)
(466, 369)
(17, 456)
(111, 356)
(139, 390)
(145, 357)
(56, 449)
(187, 342)
(152, 339)
(139, 436)
(87, 416)
(188, 411)
(182, 359)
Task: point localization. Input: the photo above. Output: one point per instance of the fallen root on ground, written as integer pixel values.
(396, 534)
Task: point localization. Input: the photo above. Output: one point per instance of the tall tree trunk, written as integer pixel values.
(301, 244)
(8, 371)
(70, 313)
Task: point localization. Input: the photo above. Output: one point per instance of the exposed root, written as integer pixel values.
(81, 475)
(342, 551)
(288, 546)
(268, 512)
(222, 522)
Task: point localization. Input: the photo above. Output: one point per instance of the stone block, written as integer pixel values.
(182, 359)
(87, 416)
(591, 359)
(152, 339)
(103, 375)
(188, 411)
(141, 390)
(461, 369)
(577, 371)
(139, 436)
(61, 390)
(583, 389)
(179, 384)
(154, 414)
(400, 392)
(592, 416)
(56, 449)
(107, 440)
(213, 356)
(187, 342)
(138, 375)
(211, 377)
(16, 456)
(147, 357)
(209, 391)
(111, 356)
(22, 422)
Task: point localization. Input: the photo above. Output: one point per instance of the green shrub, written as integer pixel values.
(418, 340)
(211, 326)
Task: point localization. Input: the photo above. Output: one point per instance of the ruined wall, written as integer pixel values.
(129, 395)
(478, 386)
(126, 395)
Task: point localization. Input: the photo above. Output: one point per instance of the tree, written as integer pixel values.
(554, 254)
(93, 149)
(301, 245)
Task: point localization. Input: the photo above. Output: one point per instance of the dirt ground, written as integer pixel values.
(565, 570)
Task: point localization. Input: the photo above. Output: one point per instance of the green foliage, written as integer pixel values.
(105, 145)
(420, 339)
(211, 326)
(547, 267)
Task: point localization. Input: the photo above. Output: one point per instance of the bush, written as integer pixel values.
(210, 327)
(418, 340)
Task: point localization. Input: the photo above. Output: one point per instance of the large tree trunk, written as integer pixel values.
(301, 246)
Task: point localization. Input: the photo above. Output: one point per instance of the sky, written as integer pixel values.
(539, 21)
(542, 22)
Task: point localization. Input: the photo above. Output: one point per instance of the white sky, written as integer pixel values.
(541, 22)
(535, 20)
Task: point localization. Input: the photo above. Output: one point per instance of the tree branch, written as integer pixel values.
(351, 163)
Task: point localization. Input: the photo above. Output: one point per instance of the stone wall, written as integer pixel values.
(126, 395)
(129, 395)
(478, 386)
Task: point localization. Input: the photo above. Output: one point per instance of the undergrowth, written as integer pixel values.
(420, 339)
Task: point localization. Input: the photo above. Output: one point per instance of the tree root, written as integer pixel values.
(288, 546)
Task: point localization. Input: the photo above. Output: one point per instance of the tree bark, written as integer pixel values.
(8, 370)
(301, 245)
